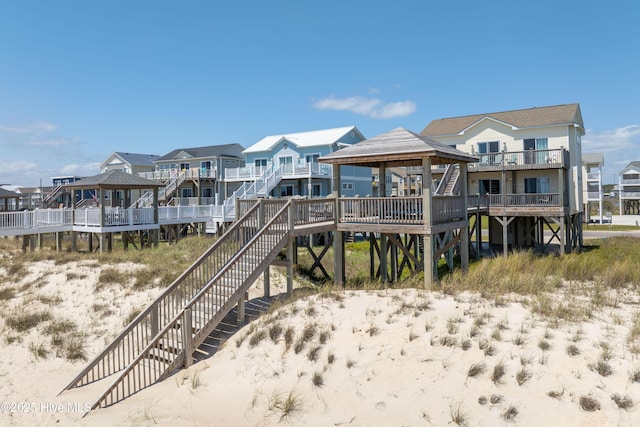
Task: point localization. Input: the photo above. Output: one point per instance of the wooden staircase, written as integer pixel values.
(450, 183)
(165, 335)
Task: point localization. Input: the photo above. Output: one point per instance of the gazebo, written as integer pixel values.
(6, 197)
(442, 221)
(125, 219)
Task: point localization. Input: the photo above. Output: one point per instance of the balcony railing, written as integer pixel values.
(301, 169)
(529, 159)
(630, 182)
(168, 174)
(630, 195)
(524, 200)
(593, 196)
(594, 176)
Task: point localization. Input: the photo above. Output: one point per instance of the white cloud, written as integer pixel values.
(31, 128)
(87, 169)
(371, 107)
(49, 142)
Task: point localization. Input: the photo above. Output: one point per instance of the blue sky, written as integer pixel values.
(81, 79)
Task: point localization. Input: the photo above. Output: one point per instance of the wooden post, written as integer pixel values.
(464, 238)
(266, 278)
(155, 324)
(74, 241)
(561, 187)
(59, 236)
(187, 338)
(384, 268)
(241, 310)
(156, 235)
(429, 275)
(290, 246)
(338, 238)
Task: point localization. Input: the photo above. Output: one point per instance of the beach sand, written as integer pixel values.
(400, 357)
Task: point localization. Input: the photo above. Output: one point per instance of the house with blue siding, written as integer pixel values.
(293, 159)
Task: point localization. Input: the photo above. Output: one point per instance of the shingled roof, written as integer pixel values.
(114, 180)
(7, 194)
(399, 147)
(137, 159)
(567, 114)
(203, 152)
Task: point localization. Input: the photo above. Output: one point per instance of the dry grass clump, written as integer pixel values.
(589, 404)
(476, 369)
(498, 372)
(458, 415)
(510, 414)
(623, 402)
(523, 376)
(24, 320)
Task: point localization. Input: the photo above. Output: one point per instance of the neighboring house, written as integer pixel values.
(132, 163)
(396, 182)
(57, 197)
(31, 197)
(530, 167)
(629, 185)
(292, 159)
(195, 175)
(592, 194)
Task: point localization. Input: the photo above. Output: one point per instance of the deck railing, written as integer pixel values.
(525, 200)
(630, 195)
(520, 159)
(595, 176)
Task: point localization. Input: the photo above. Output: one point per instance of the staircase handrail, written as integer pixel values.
(173, 332)
(53, 194)
(445, 179)
(169, 302)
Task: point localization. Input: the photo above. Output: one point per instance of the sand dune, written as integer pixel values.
(389, 357)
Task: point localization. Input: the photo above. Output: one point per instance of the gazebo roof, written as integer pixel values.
(114, 180)
(399, 147)
(7, 194)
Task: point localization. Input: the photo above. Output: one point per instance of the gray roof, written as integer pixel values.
(115, 180)
(202, 152)
(399, 147)
(567, 114)
(7, 194)
(592, 159)
(138, 159)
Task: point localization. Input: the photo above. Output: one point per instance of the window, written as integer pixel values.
(260, 162)
(185, 166)
(536, 144)
(489, 186)
(488, 147)
(206, 165)
(347, 186)
(536, 185)
(207, 192)
(286, 190)
(286, 163)
(315, 192)
(312, 158)
(186, 192)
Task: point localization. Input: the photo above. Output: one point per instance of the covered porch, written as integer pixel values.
(436, 224)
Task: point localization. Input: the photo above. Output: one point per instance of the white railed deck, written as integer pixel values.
(594, 176)
(166, 175)
(630, 195)
(302, 169)
(514, 160)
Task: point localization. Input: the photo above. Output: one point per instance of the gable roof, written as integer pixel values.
(114, 179)
(399, 147)
(631, 166)
(202, 152)
(137, 159)
(312, 138)
(566, 114)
